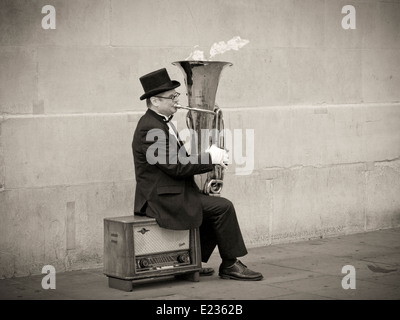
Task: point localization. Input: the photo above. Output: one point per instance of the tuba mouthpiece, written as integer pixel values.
(177, 105)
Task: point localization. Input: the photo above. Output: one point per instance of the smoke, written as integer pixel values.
(218, 48)
(196, 55)
(221, 47)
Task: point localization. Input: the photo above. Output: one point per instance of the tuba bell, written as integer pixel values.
(204, 117)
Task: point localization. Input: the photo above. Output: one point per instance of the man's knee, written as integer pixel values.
(226, 204)
(218, 207)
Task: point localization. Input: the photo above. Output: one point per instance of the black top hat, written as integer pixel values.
(157, 82)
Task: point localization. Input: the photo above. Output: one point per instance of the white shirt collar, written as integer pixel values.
(162, 115)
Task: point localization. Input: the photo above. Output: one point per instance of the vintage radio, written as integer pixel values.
(137, 250)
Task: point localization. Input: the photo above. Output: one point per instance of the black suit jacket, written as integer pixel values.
(165, 188)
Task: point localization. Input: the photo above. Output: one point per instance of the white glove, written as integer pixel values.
(218, 155)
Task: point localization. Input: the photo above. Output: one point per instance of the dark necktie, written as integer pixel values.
(171, 124)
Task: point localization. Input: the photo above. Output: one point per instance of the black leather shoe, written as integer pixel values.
(206, 272)
(238, 271)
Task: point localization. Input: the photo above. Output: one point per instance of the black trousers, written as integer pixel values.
(220, 228)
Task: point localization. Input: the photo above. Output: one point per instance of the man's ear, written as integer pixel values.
(154, 101)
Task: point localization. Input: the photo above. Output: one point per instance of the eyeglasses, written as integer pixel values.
(173, 97)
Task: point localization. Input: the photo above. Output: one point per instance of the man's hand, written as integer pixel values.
(218, 155)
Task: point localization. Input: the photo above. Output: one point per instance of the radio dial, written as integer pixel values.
(144, 263)
(182, 258)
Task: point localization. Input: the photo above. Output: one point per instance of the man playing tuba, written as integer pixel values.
(165, 187)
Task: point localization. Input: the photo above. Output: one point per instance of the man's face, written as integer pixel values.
(164, 102)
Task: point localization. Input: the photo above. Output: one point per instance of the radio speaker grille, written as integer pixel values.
(152, 239)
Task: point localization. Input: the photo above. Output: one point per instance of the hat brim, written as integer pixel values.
(174, 84)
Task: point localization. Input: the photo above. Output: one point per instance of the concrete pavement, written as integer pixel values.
(309, 270)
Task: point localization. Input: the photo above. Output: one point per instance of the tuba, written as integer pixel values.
(204, 117)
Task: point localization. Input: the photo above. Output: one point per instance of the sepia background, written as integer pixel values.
(324, 104)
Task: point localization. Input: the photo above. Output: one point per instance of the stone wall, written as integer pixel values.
(323, 103)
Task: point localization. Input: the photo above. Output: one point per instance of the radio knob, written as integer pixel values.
(182, 258)
(144, 263)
